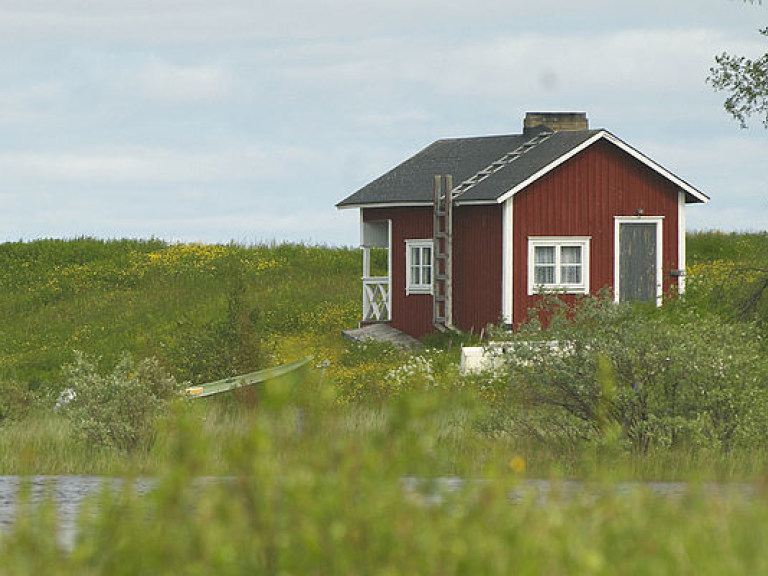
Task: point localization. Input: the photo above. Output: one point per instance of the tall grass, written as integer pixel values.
(44, 443)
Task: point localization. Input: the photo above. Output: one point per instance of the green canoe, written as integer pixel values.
(258, 377)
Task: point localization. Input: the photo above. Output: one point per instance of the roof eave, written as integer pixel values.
(474, 202)
(403, 204)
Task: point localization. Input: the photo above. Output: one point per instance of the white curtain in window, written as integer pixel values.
(426, 270)
(570, 264)
(544, 265)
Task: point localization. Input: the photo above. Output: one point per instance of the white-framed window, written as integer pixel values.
(419, 268)
(558, 264)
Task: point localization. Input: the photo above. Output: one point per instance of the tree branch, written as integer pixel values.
(747, 82)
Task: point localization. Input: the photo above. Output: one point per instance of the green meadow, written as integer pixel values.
(379, 460)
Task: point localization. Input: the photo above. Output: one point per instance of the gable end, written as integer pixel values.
(692, 195)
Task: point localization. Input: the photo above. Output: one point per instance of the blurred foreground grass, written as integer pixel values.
(305, 491)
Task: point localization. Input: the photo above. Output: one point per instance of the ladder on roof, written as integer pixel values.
(442, 238)
(497, 165)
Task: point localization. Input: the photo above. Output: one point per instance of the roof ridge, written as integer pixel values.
(500, 163)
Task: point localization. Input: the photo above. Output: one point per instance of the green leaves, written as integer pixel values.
(746, 80)
(655, 378)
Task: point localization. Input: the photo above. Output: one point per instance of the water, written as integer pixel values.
(432, 491)
(67, 493)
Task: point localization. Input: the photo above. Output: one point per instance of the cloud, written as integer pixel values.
(147, 166)
(170, 83)
(166, 22)
(505, 65)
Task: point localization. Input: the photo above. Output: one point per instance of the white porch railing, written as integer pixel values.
(376, 302)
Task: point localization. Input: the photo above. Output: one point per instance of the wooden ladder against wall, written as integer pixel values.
(442, 237)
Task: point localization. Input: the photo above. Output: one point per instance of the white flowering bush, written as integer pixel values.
(415, 372)
(430, 369)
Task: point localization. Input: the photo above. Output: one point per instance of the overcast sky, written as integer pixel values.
(247, 120)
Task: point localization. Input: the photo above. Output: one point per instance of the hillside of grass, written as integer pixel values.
(205, 311)
(734, 247)
(210, 311)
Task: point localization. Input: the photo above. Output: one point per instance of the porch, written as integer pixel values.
(375, 240)
(382, 332)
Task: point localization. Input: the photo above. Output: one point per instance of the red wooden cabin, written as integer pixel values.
(559, 208)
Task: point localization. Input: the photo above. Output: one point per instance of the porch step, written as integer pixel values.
(382, 332)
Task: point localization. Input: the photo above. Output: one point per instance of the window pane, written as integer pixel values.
(415, 275)
(426, 265)
(570, 254)
(544, 255)
(415, 256)
(570, 274)
(544, 275)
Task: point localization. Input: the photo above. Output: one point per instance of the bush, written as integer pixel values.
(119, 409)
(662, 378)
(16, 399)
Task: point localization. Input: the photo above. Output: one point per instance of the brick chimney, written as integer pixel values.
(556, 121)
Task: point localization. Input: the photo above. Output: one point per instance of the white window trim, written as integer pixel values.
(559, 242)
(411, 288)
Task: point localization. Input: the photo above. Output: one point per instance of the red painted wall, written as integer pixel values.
(477, 266)
(580, 198)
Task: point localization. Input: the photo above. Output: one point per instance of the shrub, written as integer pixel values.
(664, 378)
(118, 409)
(16, 399)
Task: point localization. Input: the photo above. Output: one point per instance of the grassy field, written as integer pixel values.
(311, 475)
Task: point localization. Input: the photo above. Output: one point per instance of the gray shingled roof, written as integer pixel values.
(412, 181)
(526, 165)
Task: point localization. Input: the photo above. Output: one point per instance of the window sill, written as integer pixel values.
(558, 290)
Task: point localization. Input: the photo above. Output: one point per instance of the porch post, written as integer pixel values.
(366, 261)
